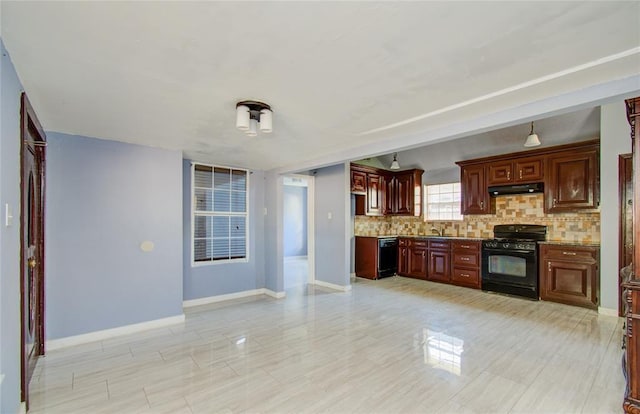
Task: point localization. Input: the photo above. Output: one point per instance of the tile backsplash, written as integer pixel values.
(514, 209)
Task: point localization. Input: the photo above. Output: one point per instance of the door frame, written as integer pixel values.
(622, 183)
(311, 256)
(29, 120)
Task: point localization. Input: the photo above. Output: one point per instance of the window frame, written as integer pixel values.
(246, 214)
(426, 203)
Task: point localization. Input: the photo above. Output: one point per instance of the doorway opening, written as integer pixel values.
(298, 232)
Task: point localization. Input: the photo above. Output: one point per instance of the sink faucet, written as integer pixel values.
(439, 232)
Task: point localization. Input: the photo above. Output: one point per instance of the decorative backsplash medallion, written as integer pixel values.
(515, 209)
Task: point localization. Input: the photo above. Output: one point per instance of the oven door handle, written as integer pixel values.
(506, 252)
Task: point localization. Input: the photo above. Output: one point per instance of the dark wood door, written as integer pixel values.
(500, 172)
(358, 182)
(573, 182)
(389, 195)
(403, 261)
(439, 268)
(475, 197)
(404, 194)
(529, 170)
(32, 243)
(570, 282)
(374, 195)
(625, 187)
(418, 263)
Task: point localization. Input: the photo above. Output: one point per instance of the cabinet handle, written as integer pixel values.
(549, 266)
(521, 174)
(569, 253)
(466, 259)
(508, 175)
(482, 204)
(422, 254)
(464, 275)
(464, 246)
(554, 202)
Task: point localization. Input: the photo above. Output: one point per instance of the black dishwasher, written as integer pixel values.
(387, 256)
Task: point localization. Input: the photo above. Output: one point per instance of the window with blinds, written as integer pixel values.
(220, 206)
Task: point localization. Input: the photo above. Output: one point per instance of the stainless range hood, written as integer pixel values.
(516, 189)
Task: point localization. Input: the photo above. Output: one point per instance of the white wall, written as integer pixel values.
(614, 140)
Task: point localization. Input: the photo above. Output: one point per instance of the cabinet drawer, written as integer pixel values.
(465, 276)
(404, 242)
(418, 243)
(441, 245)
(471, 246)
(576, 253)
(465, 259)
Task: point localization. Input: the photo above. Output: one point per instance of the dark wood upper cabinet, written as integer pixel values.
(358, 182)
(525, 170)
(529, 170)
(475, 197)
(375, 193)
(572, 182)
(381, 192)
(570, 174)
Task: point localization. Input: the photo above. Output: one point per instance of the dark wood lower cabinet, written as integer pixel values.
(439, 266)
(569, 274)
(418, 263)
(631, 344)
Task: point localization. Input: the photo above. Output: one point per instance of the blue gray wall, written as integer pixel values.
(105, 198)
(615, 135)
(333, 234)
(295, 220)
(10, 90)
(223, 278)
(273, 242)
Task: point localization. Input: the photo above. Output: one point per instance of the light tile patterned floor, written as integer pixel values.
(391, 346)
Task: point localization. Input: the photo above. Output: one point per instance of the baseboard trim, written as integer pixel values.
(277, 295)
(333, 286)
(53, 344)
(221, 298)
(352, 276)
(230, 296)
(23, 408)
(607, 311)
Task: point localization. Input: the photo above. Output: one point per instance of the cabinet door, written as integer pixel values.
(570, 282)
(500, 172)
(374, 195)
(358, 182)
(572, 182)
(439, 269)
(404, 194)
(418, 263)
(529, 170)
(474, 197)
(403, 261)
(390, 195)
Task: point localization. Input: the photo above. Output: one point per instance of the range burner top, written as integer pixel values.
(516, 237)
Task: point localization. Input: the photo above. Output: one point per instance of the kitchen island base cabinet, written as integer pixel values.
(569, 274)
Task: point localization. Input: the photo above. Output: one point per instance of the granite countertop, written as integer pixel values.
(570, 243)
(426, 237)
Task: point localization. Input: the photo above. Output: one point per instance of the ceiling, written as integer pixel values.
(345, 79)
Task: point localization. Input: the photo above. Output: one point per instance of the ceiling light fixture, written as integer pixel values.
(394, 164)
(251, 113)
(532, 139)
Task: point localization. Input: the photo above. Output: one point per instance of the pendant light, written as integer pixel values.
(394, 164)
(532, 139)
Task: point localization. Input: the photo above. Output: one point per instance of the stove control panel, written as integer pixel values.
(509, 245)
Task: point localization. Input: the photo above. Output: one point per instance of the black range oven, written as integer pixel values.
(510, 261)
